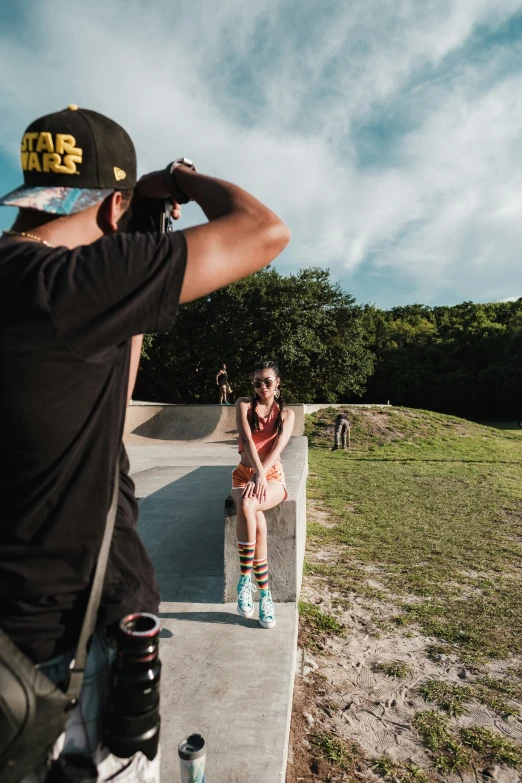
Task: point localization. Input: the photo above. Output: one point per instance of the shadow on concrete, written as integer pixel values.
(222, 618)
(182, 527)
(192, 422)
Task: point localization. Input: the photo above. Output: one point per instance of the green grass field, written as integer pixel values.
(435, 504)
(431, 506)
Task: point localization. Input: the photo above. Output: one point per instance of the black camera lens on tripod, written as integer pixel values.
(132, 718)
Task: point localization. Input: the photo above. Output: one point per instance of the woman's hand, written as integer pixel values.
(250, 489)
(261, 487)
(256, 488)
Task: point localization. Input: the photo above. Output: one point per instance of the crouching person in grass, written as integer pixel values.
(342, 430)
(258, 483)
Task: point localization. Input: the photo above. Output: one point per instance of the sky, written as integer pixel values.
(386, 133)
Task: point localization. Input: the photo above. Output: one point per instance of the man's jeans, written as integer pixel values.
(83, 730)
(342, 429)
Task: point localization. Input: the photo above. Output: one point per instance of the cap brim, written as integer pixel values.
(57, 201)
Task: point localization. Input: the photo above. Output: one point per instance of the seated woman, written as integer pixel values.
(258, 483)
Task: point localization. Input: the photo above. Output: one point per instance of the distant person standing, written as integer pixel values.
(222, 382)
(342, 430)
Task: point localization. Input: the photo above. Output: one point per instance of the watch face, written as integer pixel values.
(185, 162)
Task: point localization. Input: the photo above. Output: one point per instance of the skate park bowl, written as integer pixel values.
(155, 423)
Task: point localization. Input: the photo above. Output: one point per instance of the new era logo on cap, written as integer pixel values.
(73, 149)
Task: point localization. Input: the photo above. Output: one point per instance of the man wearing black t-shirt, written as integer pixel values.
(74, 292)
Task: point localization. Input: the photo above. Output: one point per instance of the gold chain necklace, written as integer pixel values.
(27, 235)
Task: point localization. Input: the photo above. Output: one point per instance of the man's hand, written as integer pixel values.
(176, 210)
(154, 185)
(159, 184)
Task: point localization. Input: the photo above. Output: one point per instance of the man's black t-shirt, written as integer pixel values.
(66, 319)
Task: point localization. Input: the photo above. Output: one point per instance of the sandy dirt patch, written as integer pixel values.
(340, 691)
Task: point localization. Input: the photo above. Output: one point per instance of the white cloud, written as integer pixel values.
(276, 95)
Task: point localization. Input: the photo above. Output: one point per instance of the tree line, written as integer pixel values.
(465, 359)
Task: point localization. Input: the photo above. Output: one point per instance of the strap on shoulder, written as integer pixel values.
(89, 621)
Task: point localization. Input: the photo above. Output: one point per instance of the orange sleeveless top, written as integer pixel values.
(265, 437)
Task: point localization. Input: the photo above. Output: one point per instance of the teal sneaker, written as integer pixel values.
(266, 609)
(245, 604)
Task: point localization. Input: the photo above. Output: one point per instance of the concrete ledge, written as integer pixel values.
(286, 531)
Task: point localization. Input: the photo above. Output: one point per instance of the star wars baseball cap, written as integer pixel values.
(72, 160)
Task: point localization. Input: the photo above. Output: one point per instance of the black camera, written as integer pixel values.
(149, 214)
(155, 214)
(132, 717)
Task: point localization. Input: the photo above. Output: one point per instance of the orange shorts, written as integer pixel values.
(242, 475)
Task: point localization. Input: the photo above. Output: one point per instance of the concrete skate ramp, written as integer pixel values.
(162, 423)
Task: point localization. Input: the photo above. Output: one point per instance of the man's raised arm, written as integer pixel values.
(241, 237)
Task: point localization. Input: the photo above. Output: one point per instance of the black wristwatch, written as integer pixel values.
(170, 169)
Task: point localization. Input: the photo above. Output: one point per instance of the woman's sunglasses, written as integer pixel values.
(268, 382)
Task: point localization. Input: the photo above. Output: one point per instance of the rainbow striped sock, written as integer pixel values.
(261, 573)
(246, 556)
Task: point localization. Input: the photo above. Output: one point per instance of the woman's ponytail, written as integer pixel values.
(281, 405)
(254, 418)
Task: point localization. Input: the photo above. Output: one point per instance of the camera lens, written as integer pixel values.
(132, 721)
